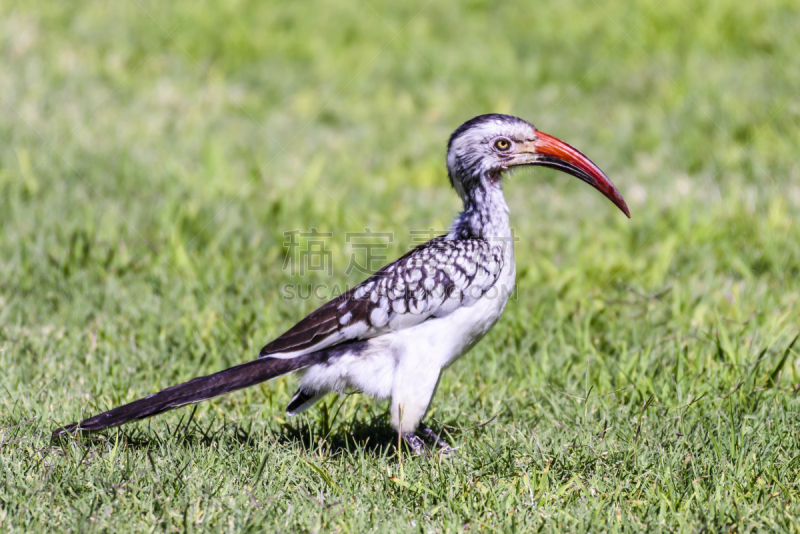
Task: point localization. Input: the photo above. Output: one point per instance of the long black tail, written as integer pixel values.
(195, 390)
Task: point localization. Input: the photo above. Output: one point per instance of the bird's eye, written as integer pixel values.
(502, 144)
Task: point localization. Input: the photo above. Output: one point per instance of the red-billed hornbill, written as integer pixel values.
(392, 335)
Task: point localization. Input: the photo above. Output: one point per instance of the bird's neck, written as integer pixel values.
(485, 213)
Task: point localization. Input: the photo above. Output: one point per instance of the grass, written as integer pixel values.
(153, 155)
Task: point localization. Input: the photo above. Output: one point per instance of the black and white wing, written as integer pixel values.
(432, 280)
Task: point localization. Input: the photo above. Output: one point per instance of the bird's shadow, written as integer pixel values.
(373, 435)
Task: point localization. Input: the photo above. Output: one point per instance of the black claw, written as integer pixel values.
(417, 447)
(430, 435)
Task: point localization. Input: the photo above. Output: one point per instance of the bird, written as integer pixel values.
(393, 335)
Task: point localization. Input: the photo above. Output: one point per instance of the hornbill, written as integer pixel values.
(392, 335)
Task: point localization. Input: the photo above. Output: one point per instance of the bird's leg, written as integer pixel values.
(430, 435)
(412, 389)
(413, 441)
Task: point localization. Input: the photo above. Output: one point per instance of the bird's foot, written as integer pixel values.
(417, 446)
(430, 435)
(413, 441)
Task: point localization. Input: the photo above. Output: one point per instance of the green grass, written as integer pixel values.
(644, 376)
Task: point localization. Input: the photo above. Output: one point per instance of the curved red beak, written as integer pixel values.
(554, 153)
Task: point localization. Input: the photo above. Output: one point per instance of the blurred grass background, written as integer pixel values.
(153, 155)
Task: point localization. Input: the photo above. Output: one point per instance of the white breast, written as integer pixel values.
(441, 341)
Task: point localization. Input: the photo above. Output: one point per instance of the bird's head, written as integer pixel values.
(483, 147)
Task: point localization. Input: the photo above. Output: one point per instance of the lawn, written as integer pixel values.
(156, 157)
